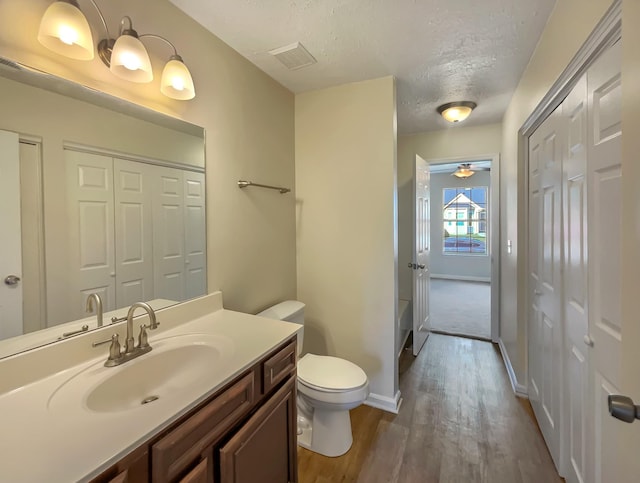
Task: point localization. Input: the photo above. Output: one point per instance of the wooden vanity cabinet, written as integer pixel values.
(246, 432)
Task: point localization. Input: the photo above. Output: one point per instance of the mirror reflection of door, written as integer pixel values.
(10, 240)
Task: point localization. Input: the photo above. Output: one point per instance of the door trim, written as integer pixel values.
(494, 224)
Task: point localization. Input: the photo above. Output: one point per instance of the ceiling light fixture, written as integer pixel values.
(463, 171)
(65, 30)
(456, 111)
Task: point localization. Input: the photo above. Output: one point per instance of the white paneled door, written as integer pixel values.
(575, 323)
(579, 424)
(545, 282)
(605, 228)
(168, 234)
(195, 235)
(10, 241)
(421, 247)
(134, 231)
(91, 230)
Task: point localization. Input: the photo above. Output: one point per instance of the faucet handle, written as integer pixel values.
(114, 349)
(143, 340)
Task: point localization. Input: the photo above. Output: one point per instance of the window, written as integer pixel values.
(465, 220)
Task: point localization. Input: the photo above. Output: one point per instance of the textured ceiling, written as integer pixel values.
(439, 50)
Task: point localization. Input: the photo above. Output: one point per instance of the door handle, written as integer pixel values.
(588, 341)
(537, 292)
(622, 408)
(12, 280)
(421, 266)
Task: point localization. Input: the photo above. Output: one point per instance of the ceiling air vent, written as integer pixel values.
(293, 56)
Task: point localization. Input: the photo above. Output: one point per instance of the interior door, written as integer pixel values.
(10, 242)
(579, 461)
(605, 241)
(168, 234)
(133, 232)
(545, 279)
(91, 235)
(195, 235)
(421, 247)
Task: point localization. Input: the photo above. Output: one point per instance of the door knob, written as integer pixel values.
(410, 265)
(537, 292)
(12, 280)
(588, 341)
(622, 408)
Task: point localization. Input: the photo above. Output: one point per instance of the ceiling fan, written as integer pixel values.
(465, 170)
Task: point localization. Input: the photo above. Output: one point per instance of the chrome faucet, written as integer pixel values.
(89, 308)
(131, 351)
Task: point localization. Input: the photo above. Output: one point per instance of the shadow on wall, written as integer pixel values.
(315, 338)
(405, 246)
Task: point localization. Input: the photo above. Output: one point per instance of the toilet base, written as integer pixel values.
(329, 434)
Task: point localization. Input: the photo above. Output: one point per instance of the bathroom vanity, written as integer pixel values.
(214, 401)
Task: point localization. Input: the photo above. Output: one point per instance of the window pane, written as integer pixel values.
(468, 233)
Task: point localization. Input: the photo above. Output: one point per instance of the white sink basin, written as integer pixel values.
(176, 365)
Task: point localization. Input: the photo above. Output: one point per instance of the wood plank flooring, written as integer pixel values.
(459, 422)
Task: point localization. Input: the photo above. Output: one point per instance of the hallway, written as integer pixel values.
(459, 422)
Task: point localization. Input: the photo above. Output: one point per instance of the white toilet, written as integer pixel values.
(328, 387)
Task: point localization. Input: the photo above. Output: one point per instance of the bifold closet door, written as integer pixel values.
(91, 230)
(168, 234)
(604, 159)
(545, 278)
(195, 235)
(133, 231)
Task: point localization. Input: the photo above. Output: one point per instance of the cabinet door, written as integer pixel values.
(264, 449)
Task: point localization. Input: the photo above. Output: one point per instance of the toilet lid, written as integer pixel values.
(330, 373)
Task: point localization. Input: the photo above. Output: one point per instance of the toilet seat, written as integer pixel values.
(330, 374)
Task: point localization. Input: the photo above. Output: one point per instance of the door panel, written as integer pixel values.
(579, 464)
(91, 222)
(195, 235)
(133, 232)
(605, 228)
(168, 234)
(545, 278)
(421, 242)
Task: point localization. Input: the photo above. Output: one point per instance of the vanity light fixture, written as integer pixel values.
(456, 111)
(65, 30)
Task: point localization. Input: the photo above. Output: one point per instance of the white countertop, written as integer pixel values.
(45, 442)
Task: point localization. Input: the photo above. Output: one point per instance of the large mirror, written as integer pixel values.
(97, 196)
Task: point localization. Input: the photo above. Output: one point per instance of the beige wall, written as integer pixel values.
(345, 189)
(248, 119)
(455, 142)
(568, 27)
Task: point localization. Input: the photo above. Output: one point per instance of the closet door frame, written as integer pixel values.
(606, 33)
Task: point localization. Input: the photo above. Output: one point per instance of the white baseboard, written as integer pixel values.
(389, 404)
(462, 278)
(519, 389)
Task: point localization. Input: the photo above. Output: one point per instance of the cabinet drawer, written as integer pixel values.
(279, 366)
(177, 452)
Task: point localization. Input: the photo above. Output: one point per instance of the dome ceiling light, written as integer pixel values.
(456, 111)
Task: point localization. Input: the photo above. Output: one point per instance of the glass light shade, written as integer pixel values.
(463, 172)
(456, 113)
(130, 60)
(176, 80)
(65, 30)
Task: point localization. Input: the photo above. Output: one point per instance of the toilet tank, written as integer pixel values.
(290, 311)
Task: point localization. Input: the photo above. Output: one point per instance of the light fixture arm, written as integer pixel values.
(159, 37)
(104, 22)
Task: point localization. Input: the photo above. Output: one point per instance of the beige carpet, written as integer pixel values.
(462, 308)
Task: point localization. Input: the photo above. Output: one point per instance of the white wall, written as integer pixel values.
(346, 225)
(568, 27)
(456, 265)
(248, 118)
(457, 141)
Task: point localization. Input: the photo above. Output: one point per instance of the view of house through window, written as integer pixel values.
(465, 220)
